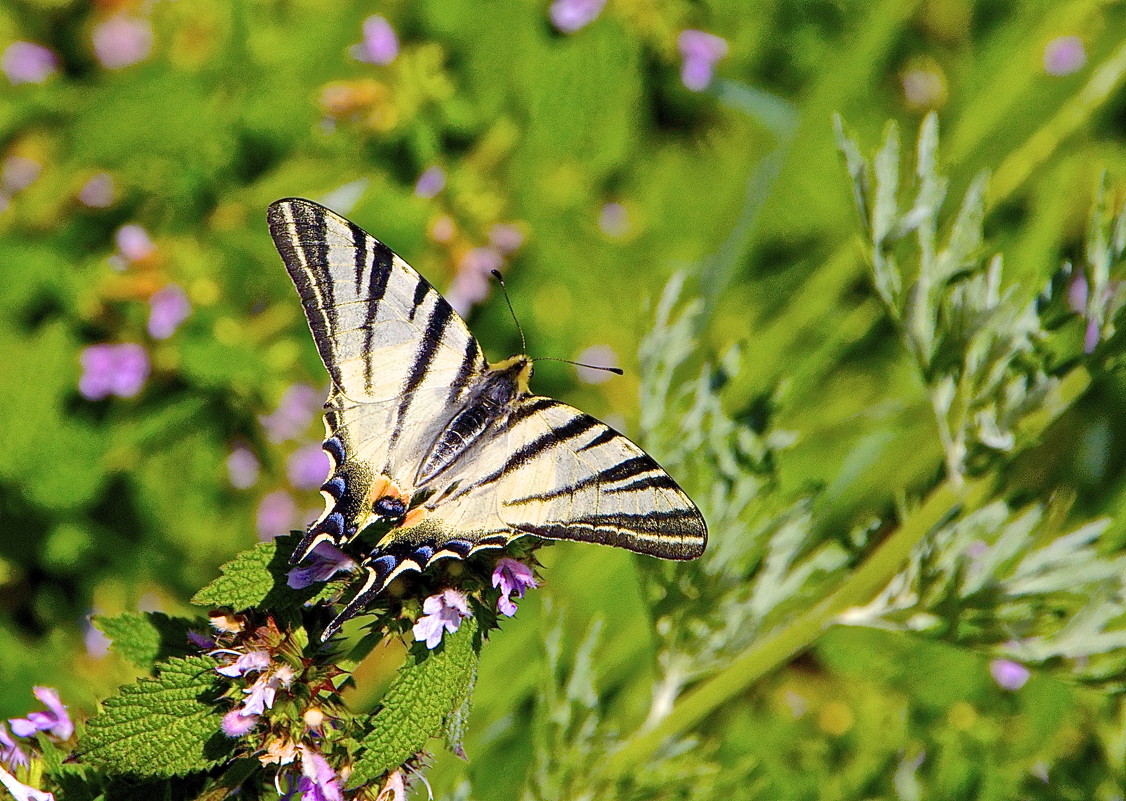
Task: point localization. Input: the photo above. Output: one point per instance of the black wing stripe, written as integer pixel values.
(530, 408)
(380, 276)
(468, 362)
(360, 257)
(420, 292)
(627, 469)
(609, 435)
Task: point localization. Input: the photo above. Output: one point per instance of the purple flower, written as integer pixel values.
(444, 612)
(259, 696)
(19, 173)
(250, 662)
(113, 370)
(613, 220)
(380, 44)
(98, 192)
(596, 356)
(97, 644)
(21, 791)
(296, 409)
(122, 41)
(1064, 55)
(319, 781)
(242, 468)
(569, 16)
(430, 182)
(236, 724)
(201, 641)
(308, 467)
(1009, 675)
(325, 562)
(134, 243)
(168, 307)
(1077, 293)
(1092, 336)
(700, 52)
(27, 62)
(276, 512)
(471, 283)
(10, 752)
(55, 721)
(511, 577)
(506, 238)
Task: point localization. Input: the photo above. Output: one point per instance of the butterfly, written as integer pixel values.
(452, 453)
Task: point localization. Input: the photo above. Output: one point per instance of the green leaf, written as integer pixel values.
(145, 638)
(257, 578)
(431, 687)
(165, 726)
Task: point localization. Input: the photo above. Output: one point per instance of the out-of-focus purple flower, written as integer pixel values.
(380, 44)
(242, 468)
(113, 370)
(506, 238)
(471, 283)
(276, 512)
(97, 644)
(613, 220)
(1009, 675)
(596, 356)
(21, 791)
(235, 724)
(1077, 294)
(55, 721)
(1092, 336)
(296, 409)
(168, 307)
(511, 577)
(324, 562)
(443, 612)
(10, 752)
(430, 182)
(98, 192)
(923, 88)
(27, 62)
(442, 229)
(1064, 55)
(19, 173)
(250, 662)
(319, 781)
(201, 641)
(700, 52)
(134, 243)
(122, 41)
(308, 467)
(569, 16)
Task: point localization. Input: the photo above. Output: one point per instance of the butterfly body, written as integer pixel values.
(452, 453)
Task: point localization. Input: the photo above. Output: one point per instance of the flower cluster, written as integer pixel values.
(54, 722)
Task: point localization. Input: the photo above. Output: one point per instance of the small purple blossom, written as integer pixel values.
(21, 791)
(700, 52)
(1009, 675)
(201, 641)
(168, 307)
(471, 283)
(596, 356)
(613, 220)
(122, 41)
(259, 696)
(325, 562)
(380, 44)
(430, 182)
(1064, 55)
(1092, 336)
(506, 238)
(55, 721)
(1077, 294)
(569, 16)
(511, 577)
(98, 192)
(308, 467)
(10, 752)
(134, 243)
(113, 370)
(97, 643)
(250, 662)
(276, 512)
(296, 409)
(27, 62)
(19, 173)
(443, 612)
(236, 724)
(242, 467)
(319, 781)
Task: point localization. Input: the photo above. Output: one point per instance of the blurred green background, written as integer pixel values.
(142, 142)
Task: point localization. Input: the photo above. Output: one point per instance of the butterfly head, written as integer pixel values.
(516, 371)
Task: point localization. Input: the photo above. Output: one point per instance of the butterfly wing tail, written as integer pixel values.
(379, 571)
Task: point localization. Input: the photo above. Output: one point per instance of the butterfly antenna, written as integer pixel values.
(614, 370)
(508, 300)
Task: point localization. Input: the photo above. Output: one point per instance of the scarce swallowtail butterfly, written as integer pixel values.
(453, 453)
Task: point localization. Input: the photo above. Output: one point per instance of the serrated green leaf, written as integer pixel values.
(431, 687)
(145, 638)
(257, 578)
(160, 727)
